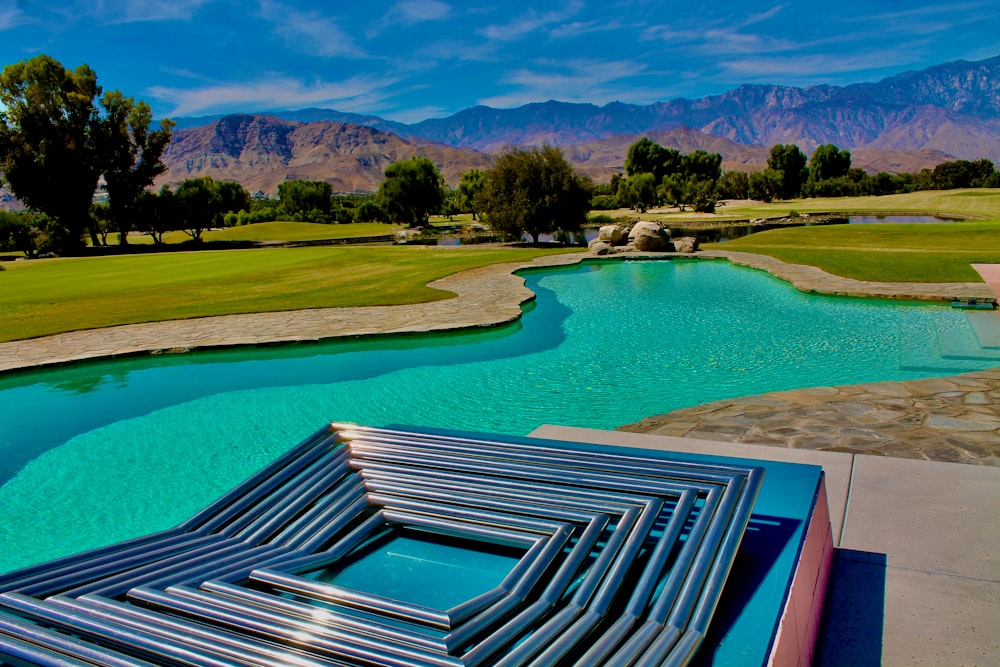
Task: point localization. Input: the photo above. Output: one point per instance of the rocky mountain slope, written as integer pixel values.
(262, 151)
(953, 108)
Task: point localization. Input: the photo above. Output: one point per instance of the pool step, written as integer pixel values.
(986, 326)
(971, 346)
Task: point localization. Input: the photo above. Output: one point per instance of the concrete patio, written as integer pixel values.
(916, 572)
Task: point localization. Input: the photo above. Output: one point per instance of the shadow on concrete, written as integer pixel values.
(854, 612)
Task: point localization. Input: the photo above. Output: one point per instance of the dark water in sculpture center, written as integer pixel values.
(99, 452)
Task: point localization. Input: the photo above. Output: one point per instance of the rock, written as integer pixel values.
(599, 247)
(649, 236)
(610, 233)
(685, 244)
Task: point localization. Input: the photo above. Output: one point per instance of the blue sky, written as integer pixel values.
(413, 59)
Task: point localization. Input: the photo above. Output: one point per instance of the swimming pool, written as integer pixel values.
(100, 452)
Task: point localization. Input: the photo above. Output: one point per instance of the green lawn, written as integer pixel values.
(883, 252)
(273, 231)
(48, 296)
(981, 203)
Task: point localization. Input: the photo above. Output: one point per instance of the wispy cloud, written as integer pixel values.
(578, 80)
(478, 51)
(416, 115)
(10, 16)
(310, 31)
(418, 11)
(531, 22)
(790, 68)
(409, 12)
(135, 11)
(579, 28)
(945, 11)
(355, 93)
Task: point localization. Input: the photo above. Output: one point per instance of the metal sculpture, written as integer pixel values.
(622, 558)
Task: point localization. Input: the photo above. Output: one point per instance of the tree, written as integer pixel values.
(766, 185)
(198, 205)
(412, 190)
(233, 197)
(131, 157)
(21, 232)
(647, 157)
(369, 211)
(306, 201)
(638, 191)
(702, 166)
(469, 187)
(788, 164)
(452, 204)
(158, 214)
(962, 174)
(734, 185)
(828, 162)
(702, 195)
(49, 140)
(535, 192)
(100, 214)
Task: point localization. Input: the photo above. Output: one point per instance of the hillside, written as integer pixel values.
(262, 151)
(953, 108)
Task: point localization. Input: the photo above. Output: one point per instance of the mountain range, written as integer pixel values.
(902, 123)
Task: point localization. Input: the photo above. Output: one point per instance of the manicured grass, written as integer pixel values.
(49, 296)
(976, 203)
(273, 231)
(883, 252)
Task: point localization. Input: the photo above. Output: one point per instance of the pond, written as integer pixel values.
(724, 232)
(99, 452)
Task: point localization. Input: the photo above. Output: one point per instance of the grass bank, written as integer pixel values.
(882, 252)
(979, 203)
(50, 296)
(272, 231)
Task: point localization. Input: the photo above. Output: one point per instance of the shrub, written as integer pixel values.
(601, 219)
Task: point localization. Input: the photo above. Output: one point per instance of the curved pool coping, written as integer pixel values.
(485, 296)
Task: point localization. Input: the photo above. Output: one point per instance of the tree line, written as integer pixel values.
(656, 176)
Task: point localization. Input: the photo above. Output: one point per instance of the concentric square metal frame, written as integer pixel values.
(624, 559)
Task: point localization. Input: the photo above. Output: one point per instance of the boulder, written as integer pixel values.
(649, 236)
(685, 244)
(599, 247)
(610, 233)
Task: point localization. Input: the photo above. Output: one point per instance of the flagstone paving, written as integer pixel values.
(954, 419)
(950, 419)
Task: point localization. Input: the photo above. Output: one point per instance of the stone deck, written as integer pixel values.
(954, 419)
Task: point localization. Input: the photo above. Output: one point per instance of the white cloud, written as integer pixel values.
(415, 115)
(134, 11)
(580, 28)
(10, 16)
(417, 11)
(410, 12)
(789, 68)
(310, 31)
(356, 93)
(524, 25)
(579, 80)
(457, 50)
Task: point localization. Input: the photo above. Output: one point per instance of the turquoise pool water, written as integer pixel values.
(100, 452)
(422, 569)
